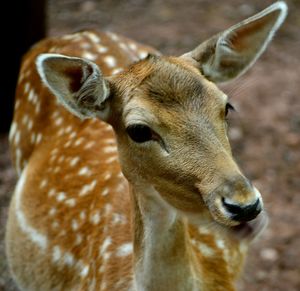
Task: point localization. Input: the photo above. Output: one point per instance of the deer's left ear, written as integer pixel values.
(230, 53)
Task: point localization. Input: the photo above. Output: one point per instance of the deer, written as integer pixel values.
(126, 178)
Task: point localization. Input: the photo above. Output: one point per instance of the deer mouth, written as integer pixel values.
(249, 230)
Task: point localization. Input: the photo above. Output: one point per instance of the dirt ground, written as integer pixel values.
(264, 132)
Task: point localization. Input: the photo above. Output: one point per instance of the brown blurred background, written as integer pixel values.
(264, 132)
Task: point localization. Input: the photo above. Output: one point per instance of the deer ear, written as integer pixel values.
(230, 53)
(77, 83)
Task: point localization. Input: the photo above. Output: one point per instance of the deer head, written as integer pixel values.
(169, 117)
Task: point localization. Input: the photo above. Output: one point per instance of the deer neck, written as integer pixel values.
(163, 258)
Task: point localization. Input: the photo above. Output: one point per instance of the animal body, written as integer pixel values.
(126, 176)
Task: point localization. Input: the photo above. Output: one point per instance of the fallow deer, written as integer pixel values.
(182, 215)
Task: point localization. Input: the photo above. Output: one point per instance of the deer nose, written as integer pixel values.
(242, 213)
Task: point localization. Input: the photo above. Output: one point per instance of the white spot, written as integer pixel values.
(79, 141)
(12, 131)
(101, 49)
(204, 230)
(43, 183)
(111, 159)
(38, 108)
(106, 256)
(59, 121)
(36, 237)
(113, 36)
(120, 187)
(21, 77)
(107, 176)
(93, 37)
(133, 46)
(95, 218)
(123, 46)
(52, 211)
(32, 138)
(26, 87)
(51, 192)
(31, 95)
(18, 160)
(118, 218)
(68, 259)
(61, 159)
(25, 119)
(107, 208)
(116, 71)
(70, 202)
(205, 249)
(38, 138)
(85, 171)
(34, 98)
(82, 215)
(55, 224)
(105, 191)
(107, 127)
(110, 61)
(220, 244)
(55, 114)
(29, 124)
(54, 152)
(110, 149)
(74, 161)
(124, 250)
(87, 188)
(103, 285)
(74, 224)
(61, 196)
(78, 239)
(68, 129)
(17, 137)
(89, 145)
(56, 254)
(17, 104)
(69, 37)
(56, 169)
(143, 54)
(102, 269)
(62, 232)
(68, 143)
(84, 271)
(89, 56)
(85, 45)
(72, 135)
(105, 245)
(120, 175)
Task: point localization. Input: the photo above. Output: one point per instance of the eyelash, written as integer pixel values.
(228, 108)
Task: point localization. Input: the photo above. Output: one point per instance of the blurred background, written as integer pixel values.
(264, 132)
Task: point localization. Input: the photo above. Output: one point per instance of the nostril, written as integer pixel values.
(243, 213)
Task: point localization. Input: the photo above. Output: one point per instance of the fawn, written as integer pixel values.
(126, 179)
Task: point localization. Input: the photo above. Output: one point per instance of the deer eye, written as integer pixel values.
(140, 133)
(228, 108)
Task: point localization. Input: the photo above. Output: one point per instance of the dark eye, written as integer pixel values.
(228, 108)
(140, 133)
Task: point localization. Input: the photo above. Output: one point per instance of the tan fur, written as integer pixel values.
(74, 217)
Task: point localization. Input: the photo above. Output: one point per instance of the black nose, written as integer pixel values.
(243, 213)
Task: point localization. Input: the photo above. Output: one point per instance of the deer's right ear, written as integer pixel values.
(77, 83)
